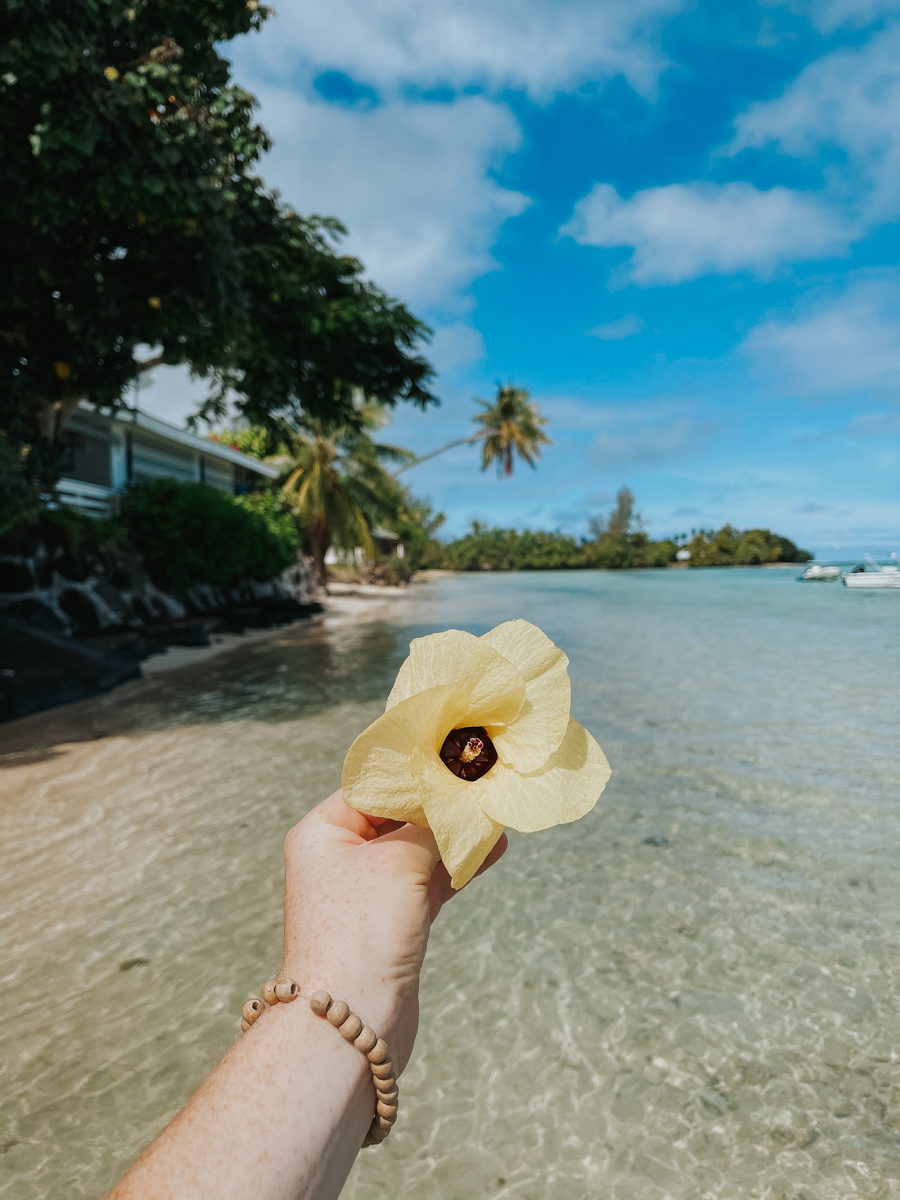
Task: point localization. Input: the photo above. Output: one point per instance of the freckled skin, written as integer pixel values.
(460, 744)
(284, 1114)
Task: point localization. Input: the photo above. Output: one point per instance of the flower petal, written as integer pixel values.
(494, 687)
(464, 834)
(563, 790)
(380, 775)
(541, 725)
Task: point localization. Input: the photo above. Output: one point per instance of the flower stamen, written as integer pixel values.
(471, 750)
(469, 753)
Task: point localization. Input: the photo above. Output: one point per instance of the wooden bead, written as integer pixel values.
(388, 1111)
(366, 1039)
(385, 1085)
(286, 990)
(253, 1009)
(351, 1027)
(378, 1053)
(382, 1070)
(376, 1135)
(339, 1012)
(245, 1025)
(319, 1003)
(383, 1123)
(268, 992)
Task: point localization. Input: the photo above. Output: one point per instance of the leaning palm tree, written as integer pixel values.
(511, 425)
(334, 476)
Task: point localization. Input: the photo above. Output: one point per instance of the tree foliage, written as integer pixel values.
(134, 217)
(511, 426)
(484, 549)
(335, 477)
(729, 546)
(616, 542)
(189, 533)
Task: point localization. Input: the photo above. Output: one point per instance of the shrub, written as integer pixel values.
(278, 515)
(189, 533)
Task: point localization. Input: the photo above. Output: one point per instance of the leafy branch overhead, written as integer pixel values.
(134, 216)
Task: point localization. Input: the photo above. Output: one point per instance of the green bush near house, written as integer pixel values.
(279, 516)
(189, 533)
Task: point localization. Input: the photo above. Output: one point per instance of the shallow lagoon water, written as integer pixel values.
(691, 994)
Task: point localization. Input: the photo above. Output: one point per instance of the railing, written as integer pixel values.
(90, 498)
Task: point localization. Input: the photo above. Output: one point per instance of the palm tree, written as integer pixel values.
(511, 425)
(335, 478)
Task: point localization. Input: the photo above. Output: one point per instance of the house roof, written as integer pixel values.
(130, 418)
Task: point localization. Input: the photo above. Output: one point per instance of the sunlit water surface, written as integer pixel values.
(692, 993)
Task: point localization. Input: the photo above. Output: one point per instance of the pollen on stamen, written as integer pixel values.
(472, 749)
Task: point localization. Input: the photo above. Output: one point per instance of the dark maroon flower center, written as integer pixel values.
(469, 753)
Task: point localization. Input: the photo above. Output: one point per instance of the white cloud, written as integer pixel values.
(496, 44)
(850, 101)
(846, 344)
(653, 445)
(829, 15)
(682, 231)
(454, 347)
(410, 181)
(877, 425)
(615, 331)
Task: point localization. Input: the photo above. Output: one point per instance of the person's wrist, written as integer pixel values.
(386, 1006)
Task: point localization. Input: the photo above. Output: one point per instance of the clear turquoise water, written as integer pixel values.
(691, 994)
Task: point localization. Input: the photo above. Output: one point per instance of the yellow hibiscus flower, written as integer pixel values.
(477, 735)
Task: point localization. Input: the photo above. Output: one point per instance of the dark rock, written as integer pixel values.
(112, 597)
(15, 576)
(657, 840)
(43, 570)
(141, 609)
(35, 613)
(81, 609)
(49, 670)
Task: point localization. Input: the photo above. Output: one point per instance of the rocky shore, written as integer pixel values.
(70, 627)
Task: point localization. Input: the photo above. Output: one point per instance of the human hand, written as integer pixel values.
(361, 894)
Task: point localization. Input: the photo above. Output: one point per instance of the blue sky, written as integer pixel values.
(675, 223)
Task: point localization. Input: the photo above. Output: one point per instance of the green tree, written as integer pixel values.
(134, 216)
(335, 476)
(512, 425)
(188, 533)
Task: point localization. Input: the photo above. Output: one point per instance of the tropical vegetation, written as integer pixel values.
(189, 534)
(615, 542)
(138, 232)
(509, 427)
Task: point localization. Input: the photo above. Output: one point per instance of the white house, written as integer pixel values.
(103, 454)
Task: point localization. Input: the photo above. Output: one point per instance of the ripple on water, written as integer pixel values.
(690, 994)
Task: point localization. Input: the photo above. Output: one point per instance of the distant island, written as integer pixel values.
(615, 543)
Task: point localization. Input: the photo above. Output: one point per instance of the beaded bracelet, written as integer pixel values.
(350, 1027)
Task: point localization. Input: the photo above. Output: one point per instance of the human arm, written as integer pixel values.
(285, 1113)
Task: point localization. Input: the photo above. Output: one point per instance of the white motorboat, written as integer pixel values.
(823, 574)
(872, 574)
